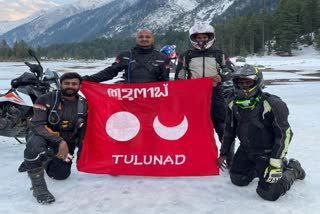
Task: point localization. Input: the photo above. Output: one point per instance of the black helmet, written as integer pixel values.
(248, 81)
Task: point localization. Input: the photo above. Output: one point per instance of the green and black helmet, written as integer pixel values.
(248, 81)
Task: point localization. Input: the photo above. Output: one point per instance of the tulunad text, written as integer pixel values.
(149, 159)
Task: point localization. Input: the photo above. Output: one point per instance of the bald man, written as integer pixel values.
(140, 64)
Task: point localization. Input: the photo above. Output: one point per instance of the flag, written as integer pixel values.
(149, 129)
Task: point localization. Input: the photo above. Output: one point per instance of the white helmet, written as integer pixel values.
(201, 28)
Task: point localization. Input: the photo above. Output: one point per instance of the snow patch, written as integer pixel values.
(308, 58)
(85, 193)
(186, 5)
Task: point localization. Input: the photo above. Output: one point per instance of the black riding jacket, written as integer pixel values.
(139, 65)
(55, 118)
(264, 130)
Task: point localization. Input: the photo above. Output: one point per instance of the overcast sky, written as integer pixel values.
(18, 9)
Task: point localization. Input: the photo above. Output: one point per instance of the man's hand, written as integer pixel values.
(273, 172)
(63, 150)
(222, 162)
(216, 79)
(226, 71)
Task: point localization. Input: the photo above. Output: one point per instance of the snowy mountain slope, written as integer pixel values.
(91, 4)
(6, 26)
(124, 17)
(84, 25)
(74, 23)
(181, 15)
(40, 24)
(16, 13)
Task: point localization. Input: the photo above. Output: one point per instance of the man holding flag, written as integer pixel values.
(140, 64)
(131, 131)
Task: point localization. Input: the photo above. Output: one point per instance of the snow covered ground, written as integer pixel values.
(90, 193)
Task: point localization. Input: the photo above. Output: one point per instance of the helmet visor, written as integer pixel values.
(245, 83)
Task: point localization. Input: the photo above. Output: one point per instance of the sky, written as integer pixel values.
(84, 193)
(12, 10)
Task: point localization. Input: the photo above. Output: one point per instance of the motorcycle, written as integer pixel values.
(16, 106)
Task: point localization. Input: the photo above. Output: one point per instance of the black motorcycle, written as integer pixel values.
(16, 106)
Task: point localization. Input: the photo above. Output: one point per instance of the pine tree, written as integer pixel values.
(317, 39)
(20, 50)
(287, 25)
(310, 18)
(5, 50)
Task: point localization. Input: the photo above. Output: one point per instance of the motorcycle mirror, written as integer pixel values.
(40, 71)
(32, 52)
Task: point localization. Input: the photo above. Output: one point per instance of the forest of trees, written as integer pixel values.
(293, 22)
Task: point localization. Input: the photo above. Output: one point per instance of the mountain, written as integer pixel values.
(39, 24)
(23, 9)
(123, 17)
(6, 26)
(245, 7)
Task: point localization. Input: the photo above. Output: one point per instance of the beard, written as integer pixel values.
(68, 92)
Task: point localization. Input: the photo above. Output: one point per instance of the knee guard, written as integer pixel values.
(271, 193)
(58, 169)
(36, 149)
(240, 180)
